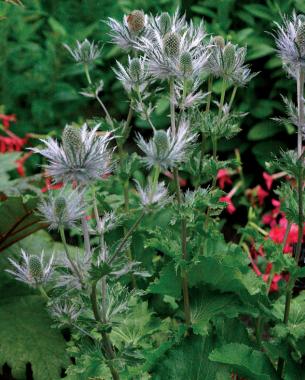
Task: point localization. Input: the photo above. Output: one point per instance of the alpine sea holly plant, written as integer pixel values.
(154, 290)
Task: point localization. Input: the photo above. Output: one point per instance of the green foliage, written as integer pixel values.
(26, 337)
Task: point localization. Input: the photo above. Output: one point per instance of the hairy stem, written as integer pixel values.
(74, 267)
(110, 355)
(86, 235)
(184, 276)
(43, 293)
(172, 104)
(291, 282)
(210, 89)
(126, 237)
(232, 97)
(86, 68)
(222, 97)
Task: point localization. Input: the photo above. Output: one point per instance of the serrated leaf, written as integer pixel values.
(168, 283)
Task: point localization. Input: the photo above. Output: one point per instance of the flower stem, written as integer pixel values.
(222, 97)
(43, 293)
(232, 97)
(86, 235)
(184, 276)
(126, 237)
(210, 89)
(291, 282)
(86, 68)
(110, 355)
(63, 239)
(172, 104)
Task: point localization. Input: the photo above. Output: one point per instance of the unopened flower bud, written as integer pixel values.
(219, 41)
(161, 143)
(165, 23)
(136, 21)
(60, 207)
(71, 139)
(135, 69)
(186, 65)
(229, 57)
(35, 268)
(171, 44)
(300, 39)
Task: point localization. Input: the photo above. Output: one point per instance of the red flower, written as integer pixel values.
(6, 119)
(268, 180)
(20, 164)
(230, 206)
(223, 178)
(182, 182)
(261, 194)
(50, 186)
(11, 144)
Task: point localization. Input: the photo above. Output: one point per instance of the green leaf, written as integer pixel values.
(26, 337)
(17, 220)
(190, 361)
(248, 362)
(264, 130)
(168, 283)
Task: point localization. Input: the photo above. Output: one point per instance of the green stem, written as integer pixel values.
(210, 89)
(172, 104)
(86, 68)
(147, 117)
(232, 97)
(108, 117)
(86, 235)
(222, 96)
(110, 355)
(259, 330)
(184, 276)
(63, 239)
(43, 293)
(126, 237)
(291, 282)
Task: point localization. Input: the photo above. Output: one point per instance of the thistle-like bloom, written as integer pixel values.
(33, 270)
(167, 149)
(127, 33)
(153, 194)
(174, 49)
(65, 311)
(290, 42)
(83, 156)
(228, 62)
(63, 209)
(134, 75)
(85, 52)
(193, 98)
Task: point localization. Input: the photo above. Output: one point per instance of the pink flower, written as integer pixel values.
(50, 186)
(230, 206)
(182, 182)
(223, 178)
(6, 119)
(261, 194)
(268, 180)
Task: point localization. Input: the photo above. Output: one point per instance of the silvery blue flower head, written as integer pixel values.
(33, 270)
(167, 149)
(82, 157)
(227, 61)
(174, 48)
(85, 52)
(134, 75)
(153, 194)
(290, 42)
(126, 34)
(63, 209)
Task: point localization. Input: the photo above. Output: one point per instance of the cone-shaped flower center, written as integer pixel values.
(60, 207)
(219, 41)
(35, 267)
(136, 21)
(171, 44)
(135, 69)
(72, 141)
(161, 142)
(229, 57)
(186, 65)
(300, 39)
(165, 23)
